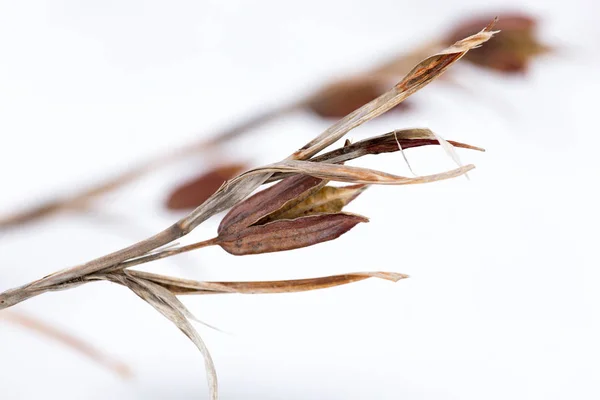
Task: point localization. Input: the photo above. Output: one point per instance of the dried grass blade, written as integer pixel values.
(170, 307)
(181, 286)
(344, 173)
(422, 74)
(385, 143)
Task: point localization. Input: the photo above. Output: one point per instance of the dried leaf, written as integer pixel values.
(343, 173)
(341, 98)
(285, 235)
(327, 200)
(386, 143)
(195, 192)
(422, 74)
(450, 151)
(281, 196)
(509, 52)
(182, 286)
(404, 154)
(68, 340)
(173, 309)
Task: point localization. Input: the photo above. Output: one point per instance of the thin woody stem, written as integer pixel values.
(166, 253)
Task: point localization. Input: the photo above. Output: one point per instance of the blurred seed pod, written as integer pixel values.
(511, 50)
(342, 97)
(195, 192)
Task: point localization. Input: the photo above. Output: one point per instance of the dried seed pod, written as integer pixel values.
(327, 200)
(511, 50)
(341, 98)
(195, 192)
(286, 234)
(281, 196)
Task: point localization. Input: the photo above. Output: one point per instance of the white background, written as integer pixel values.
(503, 298)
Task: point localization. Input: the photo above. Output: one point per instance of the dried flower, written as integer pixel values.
(299, 211)
(243, 230)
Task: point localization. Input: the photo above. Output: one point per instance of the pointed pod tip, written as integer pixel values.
(359, 218)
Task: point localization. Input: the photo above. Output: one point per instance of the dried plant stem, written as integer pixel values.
(166, 253)
(239, 188)
(254, 237)
(68, 340)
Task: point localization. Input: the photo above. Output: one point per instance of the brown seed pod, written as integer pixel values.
(289, 234)
(283, 195)
(327, 200)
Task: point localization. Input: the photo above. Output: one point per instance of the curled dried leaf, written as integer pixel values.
(195, 192)
(285, 235)
(509, 52)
